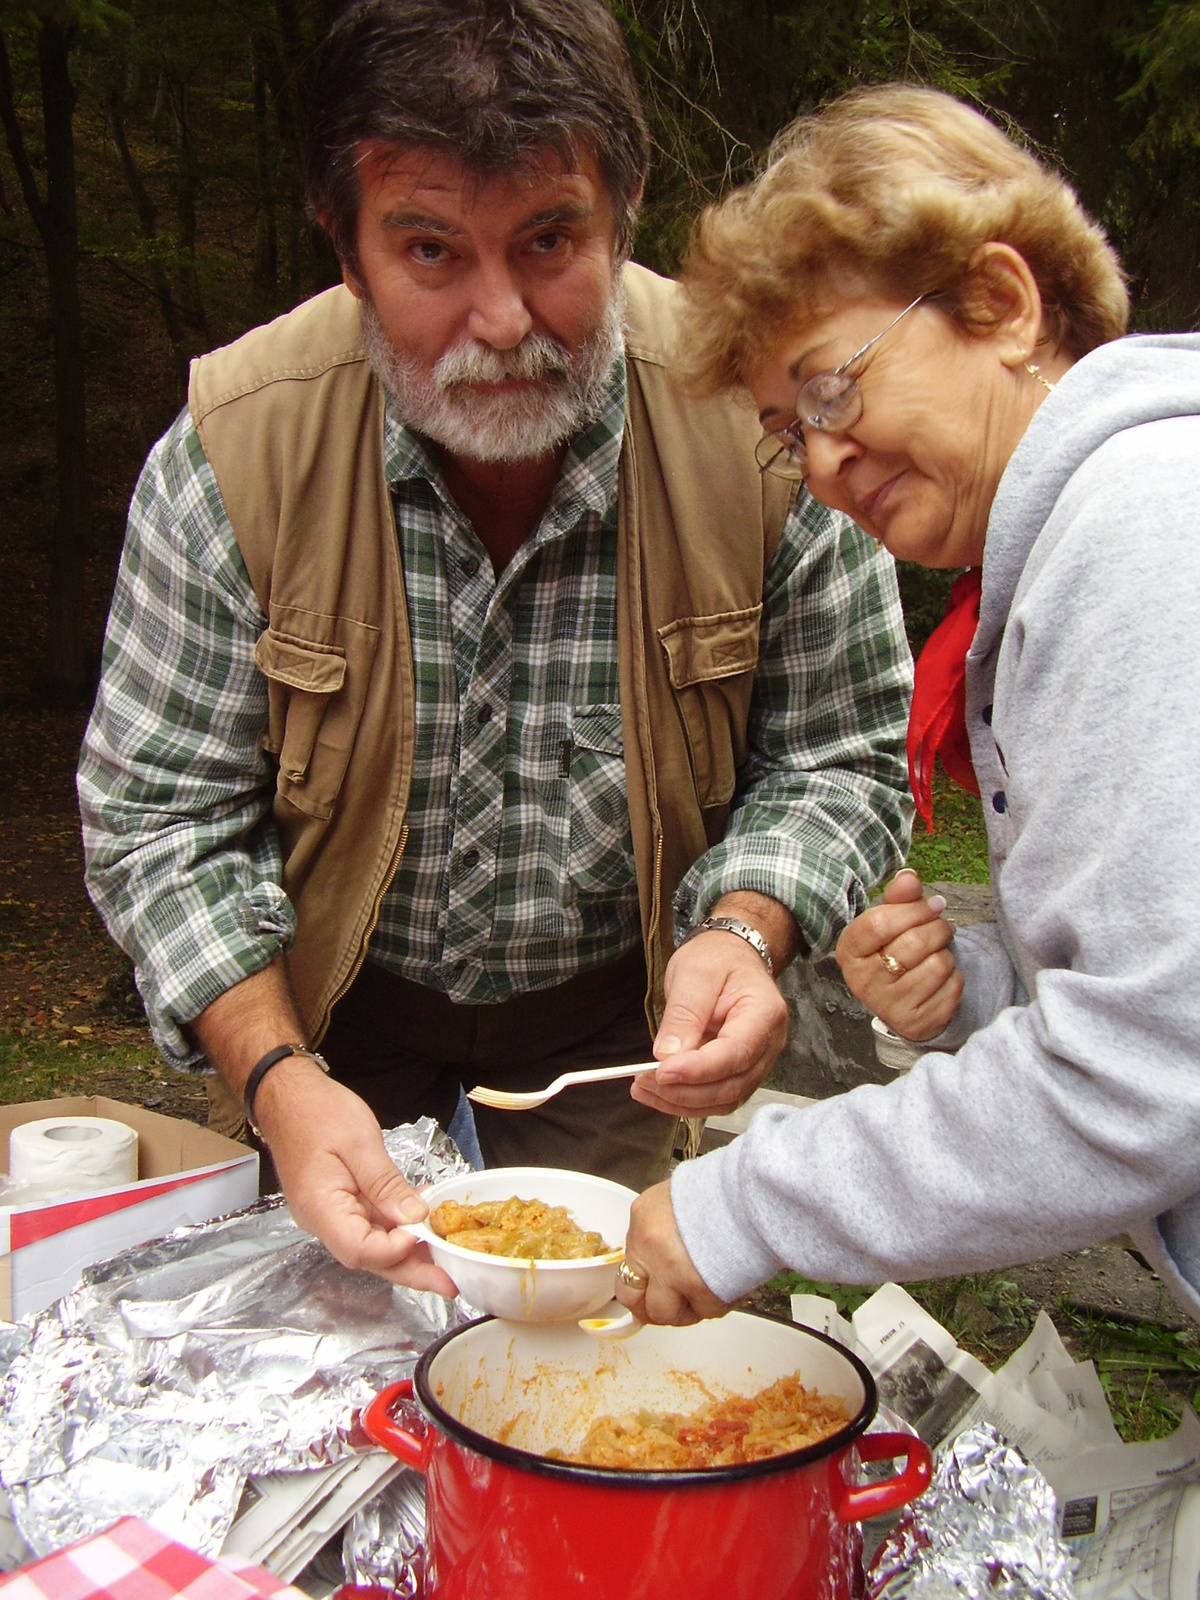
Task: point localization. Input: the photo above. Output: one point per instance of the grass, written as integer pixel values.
(1148, 1372)
(50, 1069)
(956, 851)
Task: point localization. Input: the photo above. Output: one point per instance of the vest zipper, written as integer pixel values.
(653, 952)
(374, 923)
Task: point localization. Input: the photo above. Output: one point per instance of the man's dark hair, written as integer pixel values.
(494, 83)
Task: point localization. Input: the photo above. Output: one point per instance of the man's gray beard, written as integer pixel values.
(568, 395)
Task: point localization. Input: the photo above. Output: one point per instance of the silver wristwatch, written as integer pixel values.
(742, 929)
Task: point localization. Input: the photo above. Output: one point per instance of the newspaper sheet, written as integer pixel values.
(285, 1517)
(1130, 1511)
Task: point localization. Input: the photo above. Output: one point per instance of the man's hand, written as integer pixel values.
(725, 1020)
(327, 1147)
(896, 959)
(675, 1293)
(339, 1181)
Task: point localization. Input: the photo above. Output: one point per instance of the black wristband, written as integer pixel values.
(260, 1069)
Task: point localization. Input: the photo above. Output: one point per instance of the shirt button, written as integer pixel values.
(484, 715)
(468, 565)
(470, 859)
(999, 803)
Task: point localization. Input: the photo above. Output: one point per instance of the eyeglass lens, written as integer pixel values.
(829, 402)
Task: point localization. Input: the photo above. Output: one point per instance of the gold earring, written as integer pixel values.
(1036, 372)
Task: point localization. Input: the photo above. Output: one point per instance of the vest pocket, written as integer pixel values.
(711, 662)
(316, 689)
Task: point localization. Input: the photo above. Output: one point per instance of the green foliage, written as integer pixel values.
(956, 850)
(923, 594)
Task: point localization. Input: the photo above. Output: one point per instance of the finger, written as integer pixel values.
(666, 1307)
(905, 886)
(417, 1274)
(726, 1056)
(919, 1015)
(933, 1014)
(907, 986)
(915, 946)
(701, 1102)
(879, 925)
(687, 1018)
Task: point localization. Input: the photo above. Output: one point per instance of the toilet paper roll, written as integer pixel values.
(65, 1156)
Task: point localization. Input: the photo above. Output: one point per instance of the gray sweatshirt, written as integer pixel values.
(1062, 1105)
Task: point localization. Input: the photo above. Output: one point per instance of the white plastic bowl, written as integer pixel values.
(534, 1291)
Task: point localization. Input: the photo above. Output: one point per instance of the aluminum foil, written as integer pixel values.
(383, 1546)
(987, 1527)
(180, 1366)
(14, 1337)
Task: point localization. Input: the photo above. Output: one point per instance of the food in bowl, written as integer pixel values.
(528, 1230)
(783, 1417)
(515, 1287)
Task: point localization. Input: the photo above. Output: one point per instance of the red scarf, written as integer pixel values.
(937, 723)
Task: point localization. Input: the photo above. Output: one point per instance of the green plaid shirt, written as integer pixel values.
(518, 870)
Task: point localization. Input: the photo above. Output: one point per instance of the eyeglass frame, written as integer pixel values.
(788, 437)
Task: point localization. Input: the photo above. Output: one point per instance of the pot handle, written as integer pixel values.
(414, 1449)
(856, 1502)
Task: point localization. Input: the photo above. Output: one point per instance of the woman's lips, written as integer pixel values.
(871, 504)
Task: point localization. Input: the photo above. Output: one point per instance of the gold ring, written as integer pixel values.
(637, 1281)
(896, 968)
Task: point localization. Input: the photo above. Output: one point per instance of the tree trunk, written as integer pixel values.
(187, 187)
(70, 409)
(266, 242)
(55, 219)
(148, 222)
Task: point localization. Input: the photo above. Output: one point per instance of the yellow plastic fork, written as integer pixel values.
(505, 1100)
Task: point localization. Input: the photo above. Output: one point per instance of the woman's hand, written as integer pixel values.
(896, 959)
(673, 1292)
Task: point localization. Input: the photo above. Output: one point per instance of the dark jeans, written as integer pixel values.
(406, 1049)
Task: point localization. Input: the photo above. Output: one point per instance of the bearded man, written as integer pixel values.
(459, 665)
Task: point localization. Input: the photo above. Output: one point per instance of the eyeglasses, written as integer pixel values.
(831, 402)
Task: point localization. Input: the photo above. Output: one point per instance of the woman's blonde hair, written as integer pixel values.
(891, 189)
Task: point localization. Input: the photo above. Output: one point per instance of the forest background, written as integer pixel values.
(151, 208)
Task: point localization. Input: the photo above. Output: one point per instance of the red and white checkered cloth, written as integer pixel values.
(134, 1562)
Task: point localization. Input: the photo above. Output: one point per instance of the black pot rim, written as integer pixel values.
(623, 1477)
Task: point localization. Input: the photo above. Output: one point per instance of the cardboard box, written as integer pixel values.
(185, 1174)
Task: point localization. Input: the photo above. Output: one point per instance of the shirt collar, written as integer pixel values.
(587, 479)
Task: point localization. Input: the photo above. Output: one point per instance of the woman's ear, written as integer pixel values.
(1006, 291)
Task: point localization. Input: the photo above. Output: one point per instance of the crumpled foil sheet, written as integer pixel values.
(987, 1527)
(383, 1546)
(180, 1366)
(14, 1337)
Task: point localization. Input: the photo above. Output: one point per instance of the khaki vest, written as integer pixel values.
(291, 419)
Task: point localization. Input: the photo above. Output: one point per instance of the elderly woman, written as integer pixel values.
(929, 327)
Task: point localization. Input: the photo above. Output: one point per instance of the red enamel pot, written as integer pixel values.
(504, 1520)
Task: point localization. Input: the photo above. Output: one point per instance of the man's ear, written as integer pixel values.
(348, 278)
(1006, 291)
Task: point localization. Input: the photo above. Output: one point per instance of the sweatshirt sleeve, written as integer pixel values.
(990, 983)
(1074, 1113)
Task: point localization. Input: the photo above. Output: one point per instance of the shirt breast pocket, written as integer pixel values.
(317, 686)
(601, 845)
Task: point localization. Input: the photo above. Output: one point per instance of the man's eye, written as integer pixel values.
(546, 244)
(429, 252)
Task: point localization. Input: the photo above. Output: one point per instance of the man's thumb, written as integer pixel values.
(392, 1197)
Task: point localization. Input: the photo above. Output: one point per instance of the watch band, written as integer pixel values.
(261, 1067)
(743, 930)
